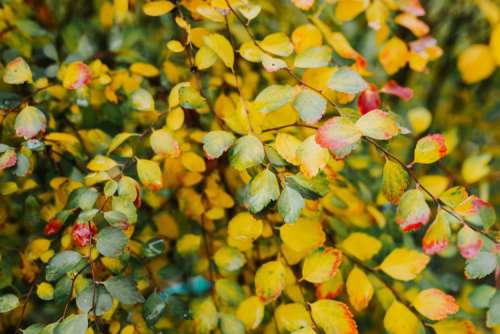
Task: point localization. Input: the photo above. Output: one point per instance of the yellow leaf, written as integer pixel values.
(400, 320)
(378, 124)
(269, 281)
(193, 162)
(420, 119)
(251, 52)
(243, 228)
(435, 304)
(220, 46)
(149, 174)
(45, 291)
(404, 264)
(291, 317)
(175, 46)
(331, 288)
(157, 8)
(163, 143)
(359, 289)
(430, 149)
(321, 264)
(17, 72)
(145, 70)
(278, 44)
(311, 157)
(476, 63)
(347, 10)
(251, 312)
(101, 163)
(361, 245)
(304, 235)
(229, 260)
(188, 243)
(495, 43)
(306, 36)
(476, 167)
(286, 145)
(455, 326)
(417, 27)
(120, 9)
(394, 55)
(76, 75)
(205, 58)
(333, 317)
(118, 140)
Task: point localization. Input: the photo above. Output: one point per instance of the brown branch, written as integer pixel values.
(26, 99)
(25, 304)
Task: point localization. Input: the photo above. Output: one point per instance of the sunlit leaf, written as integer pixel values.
(321, 264)
(404, 264)
(430, 149)
(359, 289)
(333, 317)
(435, 304)
(413, 211)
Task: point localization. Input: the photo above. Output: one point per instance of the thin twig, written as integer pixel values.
(25, 304)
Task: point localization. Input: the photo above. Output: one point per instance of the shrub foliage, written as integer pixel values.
(230, 166)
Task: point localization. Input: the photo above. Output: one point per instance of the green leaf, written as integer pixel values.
(395, 181)
(480, 297)
(153, 309)
(8, 302)
(247, 152)
(115, 218)
(229, 324)
(215, 143)
(493, 314)
(481, 265)
(85, 300)
(88, 199)
(273, 97)
(62, 289)
(346, 80)
(190, 98)
(153, 248)
(124, 205)
(111, 241)
(314, 57)
(74, 324)
(33, 329)
(290, 204)
(262, 190)
(229, 291)
(312, 188)
(61, 263)
(123, 289)
(310, 105)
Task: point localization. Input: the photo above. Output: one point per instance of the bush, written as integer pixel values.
(228, 166)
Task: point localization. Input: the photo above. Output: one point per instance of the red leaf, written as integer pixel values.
(53, 227)
(369, 100)
(81, 233)
(393, 88)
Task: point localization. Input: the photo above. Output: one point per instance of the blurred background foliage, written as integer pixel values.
(52, 32)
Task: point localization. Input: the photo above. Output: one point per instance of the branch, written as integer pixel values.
(436, 200)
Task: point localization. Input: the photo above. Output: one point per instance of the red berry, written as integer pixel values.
(53, 227)
(81, 233)
(369, 100)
